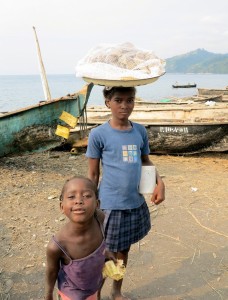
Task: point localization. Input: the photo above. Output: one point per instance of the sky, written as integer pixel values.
(68, 29)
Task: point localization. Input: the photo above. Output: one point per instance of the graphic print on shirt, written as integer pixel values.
(130, 153)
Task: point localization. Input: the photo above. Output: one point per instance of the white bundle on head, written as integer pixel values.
(120, 62)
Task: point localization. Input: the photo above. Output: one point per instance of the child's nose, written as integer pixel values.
(79, 200)
(123, 104)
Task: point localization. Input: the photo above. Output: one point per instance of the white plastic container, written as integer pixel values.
(148, 180)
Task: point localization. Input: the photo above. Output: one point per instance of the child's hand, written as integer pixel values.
(110, 256)
(159, 193)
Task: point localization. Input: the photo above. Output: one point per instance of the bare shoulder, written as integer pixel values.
(52, 247)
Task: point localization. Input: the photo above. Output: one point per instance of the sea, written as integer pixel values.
(18, 91)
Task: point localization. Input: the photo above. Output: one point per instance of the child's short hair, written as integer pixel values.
(108, 92)
(93, 185)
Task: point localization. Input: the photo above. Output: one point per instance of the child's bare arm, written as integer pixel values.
(52, 269)
(94, 169)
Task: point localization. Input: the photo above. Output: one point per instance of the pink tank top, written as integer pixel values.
(81, 277)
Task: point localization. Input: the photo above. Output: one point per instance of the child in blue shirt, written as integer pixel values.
(122, 147)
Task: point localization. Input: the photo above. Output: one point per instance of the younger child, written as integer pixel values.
(76, 254)
(121, 146)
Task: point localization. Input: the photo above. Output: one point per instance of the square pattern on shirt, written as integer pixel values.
(130, 153)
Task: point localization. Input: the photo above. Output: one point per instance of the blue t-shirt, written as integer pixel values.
(120, 153)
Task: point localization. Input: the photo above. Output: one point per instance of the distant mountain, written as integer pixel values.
(198, 61)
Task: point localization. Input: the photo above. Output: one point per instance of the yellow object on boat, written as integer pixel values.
(69, 119)
(62, 131)
(114, 271)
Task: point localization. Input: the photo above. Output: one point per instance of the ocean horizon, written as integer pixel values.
(18, 91)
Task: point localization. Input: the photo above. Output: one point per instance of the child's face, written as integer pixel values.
(121, 104)
(79, 200)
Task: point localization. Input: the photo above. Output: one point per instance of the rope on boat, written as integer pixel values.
(82, 121)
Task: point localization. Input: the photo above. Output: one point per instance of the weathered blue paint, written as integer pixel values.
(33, 128)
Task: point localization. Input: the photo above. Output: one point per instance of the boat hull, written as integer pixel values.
(32, 129)
(177, 128)
(210, 92)
(183, 86)
(183, 139)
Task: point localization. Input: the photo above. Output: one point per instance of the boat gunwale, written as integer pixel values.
(39, 104)
(164, 122)
(148, 108)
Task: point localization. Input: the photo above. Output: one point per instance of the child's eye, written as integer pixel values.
(71, 197)
(86, 196)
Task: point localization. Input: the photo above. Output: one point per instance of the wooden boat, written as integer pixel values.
(189, 85)
(177, 127)
(204, 98)
(33, 128)
(208, 92)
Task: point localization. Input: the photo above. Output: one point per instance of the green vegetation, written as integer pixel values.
(198, 61)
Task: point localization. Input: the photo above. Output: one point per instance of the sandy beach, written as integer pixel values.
(184, 257)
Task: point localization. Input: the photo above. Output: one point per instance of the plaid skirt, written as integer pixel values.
(123, 228)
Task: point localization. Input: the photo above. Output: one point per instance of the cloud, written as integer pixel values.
(211, 19)
(67, 29)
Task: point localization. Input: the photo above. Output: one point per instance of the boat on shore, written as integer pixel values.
(208, 92)
(33, 128)
(188, 85)
(177, 127)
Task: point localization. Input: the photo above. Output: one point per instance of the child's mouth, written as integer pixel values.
(78, 211)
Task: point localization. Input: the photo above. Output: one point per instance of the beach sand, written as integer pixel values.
(185, 255)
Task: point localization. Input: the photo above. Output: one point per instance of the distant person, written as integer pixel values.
(122, 148)
(76, 254)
